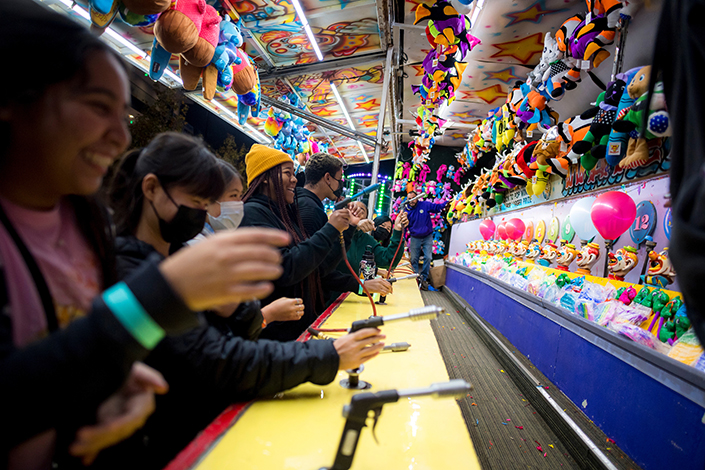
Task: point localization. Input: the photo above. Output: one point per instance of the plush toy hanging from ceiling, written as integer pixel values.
(617, 143)
(133, 12)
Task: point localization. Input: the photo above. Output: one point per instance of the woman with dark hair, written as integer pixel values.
(210, 367)
(270, 202)
(65, 349)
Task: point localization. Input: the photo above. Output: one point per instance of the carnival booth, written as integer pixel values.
(541, 128)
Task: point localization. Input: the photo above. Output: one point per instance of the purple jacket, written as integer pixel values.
(420, 225)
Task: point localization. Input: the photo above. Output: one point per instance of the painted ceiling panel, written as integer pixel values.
(512, 41)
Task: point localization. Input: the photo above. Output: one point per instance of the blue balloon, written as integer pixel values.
(580, 218)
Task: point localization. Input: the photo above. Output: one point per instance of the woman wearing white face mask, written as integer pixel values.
(226, 214)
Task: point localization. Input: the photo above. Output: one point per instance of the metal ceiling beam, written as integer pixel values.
(325, 66)
(380, 129)
(323, 122)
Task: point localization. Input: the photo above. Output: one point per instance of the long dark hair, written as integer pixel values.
(178, 160)
(26, 28)
(288, 214)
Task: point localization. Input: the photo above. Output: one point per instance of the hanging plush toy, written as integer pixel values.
(249, 103)
(603, 117)
(617, 143)
(190, 28)
(658, 123)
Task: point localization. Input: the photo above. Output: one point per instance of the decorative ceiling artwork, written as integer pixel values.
(349, 38)
(511, 35)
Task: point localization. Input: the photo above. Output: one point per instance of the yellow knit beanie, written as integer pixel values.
(261, 158)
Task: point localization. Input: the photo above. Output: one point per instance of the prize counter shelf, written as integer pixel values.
(652, 406)
(301, 428)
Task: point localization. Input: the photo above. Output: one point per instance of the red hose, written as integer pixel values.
(362, 284)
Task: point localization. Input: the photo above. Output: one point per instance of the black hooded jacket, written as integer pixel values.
(207, 369)
(678, 60)
(300, 262)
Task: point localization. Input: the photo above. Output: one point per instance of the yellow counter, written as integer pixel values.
(301, 428)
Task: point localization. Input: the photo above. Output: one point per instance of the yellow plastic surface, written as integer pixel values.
(302, 428)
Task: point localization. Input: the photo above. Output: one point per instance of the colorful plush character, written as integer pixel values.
(622, 262)
(631, 121)
(190, 28)
(660, 272)
(549, 253)
(603, 117)
(577, 128)
(617, 143)
(440, 172)
(249, 103)
(587, 258)
(626, 295)
(566, 255)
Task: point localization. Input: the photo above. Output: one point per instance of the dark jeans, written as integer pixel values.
(415, 247)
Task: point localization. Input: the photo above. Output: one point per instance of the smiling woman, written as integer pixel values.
(67, 352)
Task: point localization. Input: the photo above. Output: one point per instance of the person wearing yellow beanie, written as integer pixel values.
(269, 202)
(261, 158)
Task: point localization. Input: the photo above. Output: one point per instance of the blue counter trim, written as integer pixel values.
(651, 405)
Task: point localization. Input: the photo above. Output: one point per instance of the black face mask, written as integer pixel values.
(186, 224)
(338, 192)
(381, 234)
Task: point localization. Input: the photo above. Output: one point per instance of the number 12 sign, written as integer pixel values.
(645, 222)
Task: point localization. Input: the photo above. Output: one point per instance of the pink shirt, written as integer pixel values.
(66, 260)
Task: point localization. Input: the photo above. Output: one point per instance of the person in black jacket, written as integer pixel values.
(678, 57)
(324, 171)
(209, 367)
(270, 202)
(65, 349)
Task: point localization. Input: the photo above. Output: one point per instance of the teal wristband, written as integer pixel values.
(127, 309)
(360, 290)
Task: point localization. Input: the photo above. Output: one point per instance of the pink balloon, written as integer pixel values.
(612, 214)
(515, 229)
(487, 228)
(502, 231)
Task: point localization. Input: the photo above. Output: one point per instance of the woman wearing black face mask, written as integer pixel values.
(160, 193)
(383, 230)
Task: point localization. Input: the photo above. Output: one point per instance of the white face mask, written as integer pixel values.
(231, 213)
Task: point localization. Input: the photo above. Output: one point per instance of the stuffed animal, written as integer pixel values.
(190, 28)
(631, 119)
(620, 263)
(587, 258)
(603, 117)
(566, 255)
(249, 103)
(617, 142)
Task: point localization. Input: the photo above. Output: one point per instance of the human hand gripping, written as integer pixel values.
(283, 309)
(401, 222)
(378, 286)
(366, 225)
(232, 266)
(123, 413)
(359, 347)
(340, 219)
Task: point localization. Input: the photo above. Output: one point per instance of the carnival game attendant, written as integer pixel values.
(421, 234)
